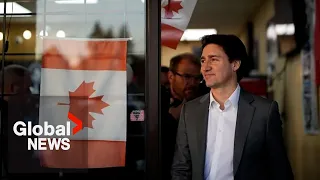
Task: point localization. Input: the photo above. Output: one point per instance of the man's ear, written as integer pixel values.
(170, 76)
(236, 65)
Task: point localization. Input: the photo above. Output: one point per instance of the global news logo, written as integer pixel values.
(47, 137)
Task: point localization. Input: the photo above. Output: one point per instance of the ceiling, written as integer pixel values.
(227, 16)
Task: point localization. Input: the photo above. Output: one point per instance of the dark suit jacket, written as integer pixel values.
(259, 152)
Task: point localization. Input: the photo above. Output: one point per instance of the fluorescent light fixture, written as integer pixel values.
(76, 1)
(13, 8)
(280, 29)
(196, 34)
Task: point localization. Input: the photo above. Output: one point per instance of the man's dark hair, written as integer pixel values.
(175, 61)
(164, 69)
(232, 46)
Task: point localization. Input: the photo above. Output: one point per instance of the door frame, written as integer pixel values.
(153, 103)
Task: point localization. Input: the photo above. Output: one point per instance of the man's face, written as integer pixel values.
(185, 81)
(215, 66)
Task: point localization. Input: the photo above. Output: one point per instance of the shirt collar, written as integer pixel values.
(234, 98)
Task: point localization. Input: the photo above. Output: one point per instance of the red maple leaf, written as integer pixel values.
(172, 6)
(81, 104)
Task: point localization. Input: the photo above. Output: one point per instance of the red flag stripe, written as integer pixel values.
(86, 154)
(170, 36)
(101, 55)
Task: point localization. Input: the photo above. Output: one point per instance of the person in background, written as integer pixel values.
(16, 89)
(17, 82)
(229, 134)
(164, 77)
(184, 77)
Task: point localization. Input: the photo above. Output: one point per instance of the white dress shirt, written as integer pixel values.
(220, 138)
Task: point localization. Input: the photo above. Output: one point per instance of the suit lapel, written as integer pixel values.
(203, 127)
(244, 118)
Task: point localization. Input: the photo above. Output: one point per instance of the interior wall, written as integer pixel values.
(303, 150)
(26, 46)
(260, 20)
(244, 36)
(183, 47)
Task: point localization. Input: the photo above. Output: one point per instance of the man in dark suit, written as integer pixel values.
(229, 133)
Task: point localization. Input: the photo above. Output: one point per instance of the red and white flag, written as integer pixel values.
(175, 17)
(84, 82)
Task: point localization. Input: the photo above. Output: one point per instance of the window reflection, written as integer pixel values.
(104, 19)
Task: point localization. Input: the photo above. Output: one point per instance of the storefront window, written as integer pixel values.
(43, 33)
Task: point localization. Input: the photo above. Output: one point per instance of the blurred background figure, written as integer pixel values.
(19, 106)
(184, 78)
(35, 71)
(164, 80)
(17, 82)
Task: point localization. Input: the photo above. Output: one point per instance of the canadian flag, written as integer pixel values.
(175, 17)
(84, 82)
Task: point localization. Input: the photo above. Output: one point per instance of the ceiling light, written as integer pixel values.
(13, 8)
(27, 34)
(76, 1)
(142, 1)
(284, 29)
(1, 36)
(61, 34)
(271, 33)
(279, 30)
(290, 29)
(196, 34)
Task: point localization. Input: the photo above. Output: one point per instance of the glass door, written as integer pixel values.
(91, 66)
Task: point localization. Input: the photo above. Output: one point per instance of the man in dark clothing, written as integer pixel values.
(184, 77)
(164, 77)
(229, 134)
(15, 107)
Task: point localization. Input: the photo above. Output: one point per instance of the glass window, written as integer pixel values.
(71, 25)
